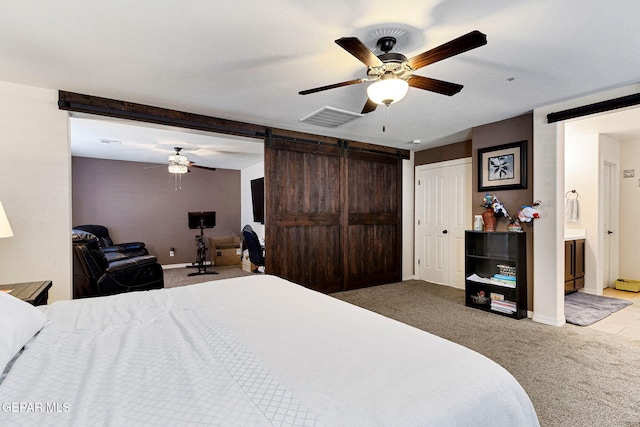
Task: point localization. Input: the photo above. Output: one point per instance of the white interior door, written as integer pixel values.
(609, 209)
(443, 213)
(431, 227)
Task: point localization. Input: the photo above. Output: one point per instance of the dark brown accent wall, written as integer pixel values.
(511, 130)
(459, 150)
(138, 203)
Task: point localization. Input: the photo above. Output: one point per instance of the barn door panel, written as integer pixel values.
(373, 244)
(303, 214)
(310, 258)
(333, 214)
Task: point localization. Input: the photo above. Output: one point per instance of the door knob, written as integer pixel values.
(609, 232)
(444, 231)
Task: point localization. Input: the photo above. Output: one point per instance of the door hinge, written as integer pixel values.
(418, 222)
(418, 261)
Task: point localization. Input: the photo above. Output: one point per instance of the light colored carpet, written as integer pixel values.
(585, 309)
(574, 376)
(179, 276)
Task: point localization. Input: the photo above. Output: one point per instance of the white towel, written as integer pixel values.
(571, 210)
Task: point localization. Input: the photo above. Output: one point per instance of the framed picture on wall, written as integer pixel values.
(503, 167)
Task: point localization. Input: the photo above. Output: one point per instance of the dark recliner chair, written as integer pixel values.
(111, 250)
(252, 244)
(94, 275)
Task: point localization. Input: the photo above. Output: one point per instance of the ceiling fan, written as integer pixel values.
(392, 73)
(179, 163)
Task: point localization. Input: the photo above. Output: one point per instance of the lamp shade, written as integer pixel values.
(178, 169)
(387, 90)
(178, 163)
(178, 159)
(5, 228)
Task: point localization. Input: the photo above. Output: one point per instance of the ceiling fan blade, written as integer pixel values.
(433, 85)
(333, 86)
(358, 49)
(154, 166)
(464, 43)
(369, 107)
(192, 165)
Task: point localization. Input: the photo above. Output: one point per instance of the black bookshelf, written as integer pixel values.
(499, 262)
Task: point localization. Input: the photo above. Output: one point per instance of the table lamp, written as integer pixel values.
(5, 227)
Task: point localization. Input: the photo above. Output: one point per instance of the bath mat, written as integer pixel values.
(585, 309)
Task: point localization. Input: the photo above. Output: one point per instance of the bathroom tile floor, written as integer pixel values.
(625, 322)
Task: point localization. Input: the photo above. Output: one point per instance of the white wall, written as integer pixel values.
(35, 188)
(548, 185)
(246, 205)
(548, 240)
(629, 207)
(584, 154)
(581, 174)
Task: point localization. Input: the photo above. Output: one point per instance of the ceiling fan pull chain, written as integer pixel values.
(386, 118)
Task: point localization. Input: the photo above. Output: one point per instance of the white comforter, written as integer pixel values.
(249, 351)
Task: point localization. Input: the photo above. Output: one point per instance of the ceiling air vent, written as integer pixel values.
(330, 117)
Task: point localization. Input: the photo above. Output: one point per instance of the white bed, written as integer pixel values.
(254, 350)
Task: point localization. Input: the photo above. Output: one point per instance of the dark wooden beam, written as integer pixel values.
(163, 116)
(598, 107)
(145, 113)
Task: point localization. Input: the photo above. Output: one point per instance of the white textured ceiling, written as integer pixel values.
(136, 142)
(246, 60)
(622, 125)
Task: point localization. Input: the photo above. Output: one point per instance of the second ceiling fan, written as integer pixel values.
(393, 71)
(179, 163)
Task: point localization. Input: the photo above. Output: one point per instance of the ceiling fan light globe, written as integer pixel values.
(387, 91)
(178, 159)
(176, 168)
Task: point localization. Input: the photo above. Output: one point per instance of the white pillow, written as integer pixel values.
(19, 322)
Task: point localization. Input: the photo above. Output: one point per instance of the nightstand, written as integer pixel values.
(35, 293)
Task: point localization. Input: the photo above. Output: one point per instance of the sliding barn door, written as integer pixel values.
(333, 219)
(373, 238)
(302, 184)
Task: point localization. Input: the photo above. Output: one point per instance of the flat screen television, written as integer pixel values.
(257, 199)
(207, 219)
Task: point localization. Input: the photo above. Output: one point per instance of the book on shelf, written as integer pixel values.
(505, 283)
(496, 296)
(492, 281)
(502, 310)
(504, 306)
(508, 270)
(504, 303)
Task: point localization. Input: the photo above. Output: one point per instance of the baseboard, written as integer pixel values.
(552, 321)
